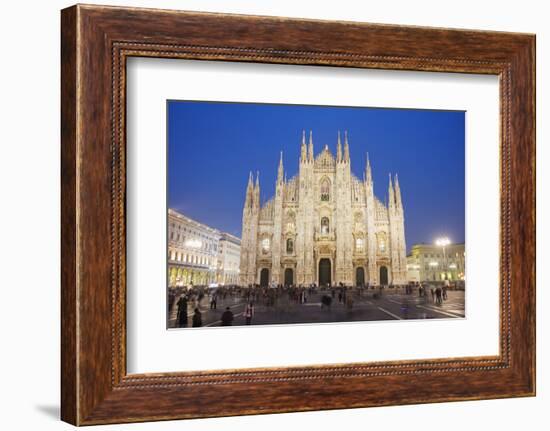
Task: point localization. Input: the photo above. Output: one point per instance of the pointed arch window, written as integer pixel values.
(289, 246)
(266, 245)
(382, 244)
(325, 190)
(325, 225)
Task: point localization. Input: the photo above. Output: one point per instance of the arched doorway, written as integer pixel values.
(324, 272)
(264, 277)
(289, 277)
(360, 276)
(384, 275)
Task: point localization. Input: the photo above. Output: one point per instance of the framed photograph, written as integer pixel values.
(322, 214)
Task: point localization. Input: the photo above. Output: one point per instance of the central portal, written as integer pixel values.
(324, 272)
(289, 277)
(383, 275)
(264, 277)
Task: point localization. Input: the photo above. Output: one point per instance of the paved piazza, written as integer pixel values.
(366, 305)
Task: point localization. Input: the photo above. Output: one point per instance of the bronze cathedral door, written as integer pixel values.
(383, 275)
(360, 276)
(324, 272)
(289, 277)
(264, 277)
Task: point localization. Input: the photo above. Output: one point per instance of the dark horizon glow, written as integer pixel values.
(212, 147)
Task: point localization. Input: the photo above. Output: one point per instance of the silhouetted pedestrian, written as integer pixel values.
(182, 312)
(438, 295)
(197, 318)
(227, 317)
(249, 313)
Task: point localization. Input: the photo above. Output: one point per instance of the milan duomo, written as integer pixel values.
(324, 226)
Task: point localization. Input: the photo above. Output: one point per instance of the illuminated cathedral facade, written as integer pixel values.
(324, 226)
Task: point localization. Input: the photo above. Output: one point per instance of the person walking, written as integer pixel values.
(214, 301)
(349, 302)
(438, 294)
(197, 318)
(249, 313)
(181, 321)
(227, 317)
(445, 287)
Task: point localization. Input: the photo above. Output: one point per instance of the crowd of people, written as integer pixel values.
(438, 293)
(198, 299)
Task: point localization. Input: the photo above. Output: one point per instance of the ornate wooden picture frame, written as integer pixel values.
(96, 42)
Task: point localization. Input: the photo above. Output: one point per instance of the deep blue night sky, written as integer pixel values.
(213, 146)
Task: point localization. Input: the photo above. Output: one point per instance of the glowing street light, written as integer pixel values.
(443, 242)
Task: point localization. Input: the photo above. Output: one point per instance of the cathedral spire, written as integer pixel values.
(368, 172)
(303, 150)
(249, 192)
(310, 152)
(346, 147)
(339, 149)
(398, 202)
(391, 196)
(257, 202)
(280, 172)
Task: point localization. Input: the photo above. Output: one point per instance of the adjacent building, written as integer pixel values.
(194, 251)
(229, 257)
(428, 262)
(324, 225)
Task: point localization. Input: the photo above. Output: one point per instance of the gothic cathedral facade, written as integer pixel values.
(323, 226)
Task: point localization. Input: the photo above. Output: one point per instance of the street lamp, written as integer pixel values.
(443, 242)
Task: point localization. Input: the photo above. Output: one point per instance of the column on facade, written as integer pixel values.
(344, 238)
(305, 215)
(400, 233)
(277, 225)
(397, 240)
(249, 243)
(370, 214)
